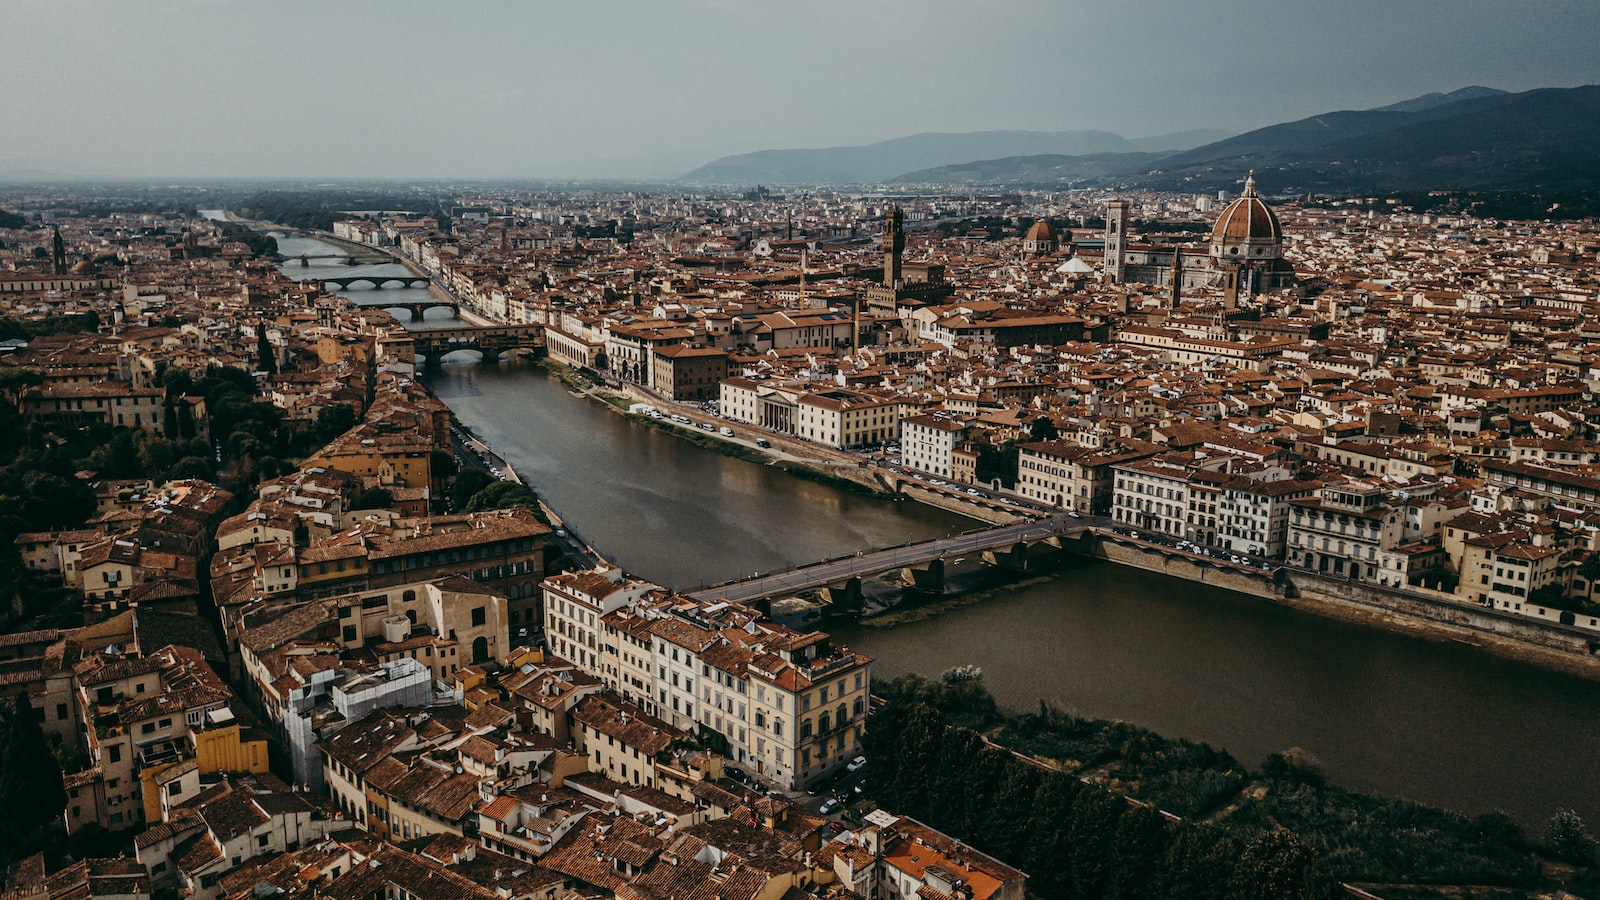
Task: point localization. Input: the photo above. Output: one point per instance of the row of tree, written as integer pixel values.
(1074, 840)
(932, 759)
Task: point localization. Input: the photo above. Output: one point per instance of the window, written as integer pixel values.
(478, 616)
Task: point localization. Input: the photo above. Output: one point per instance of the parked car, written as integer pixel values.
(829, 805)
(763, 443)
(856, 764)
(726, 431)
(736, 773)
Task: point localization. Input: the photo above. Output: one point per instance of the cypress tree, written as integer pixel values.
(31, 791)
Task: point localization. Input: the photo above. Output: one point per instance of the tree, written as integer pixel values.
(441, 463)
(334, 420)
(374, 498)
(31, 790)
(1277, 865)
(467, 483)
(169, 417)
(1198, 863)
(503, 495)
(1019, 785)
(193, 467)
(1567, 839)
(15, 382)
(1136, 847)
(1295, 765)
(1043, 429)
(1093, 825)
(266, 358)
(1047, 857)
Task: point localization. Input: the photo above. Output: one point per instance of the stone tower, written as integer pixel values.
(1230, 287)
(58, 253)
(1116, 240)
(894, 247)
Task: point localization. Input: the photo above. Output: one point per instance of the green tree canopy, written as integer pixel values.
(1277, 865)
(1043, 429)
(374, 498)
(31, 790)
(467, 483)
(1567, 839)
(503, 495)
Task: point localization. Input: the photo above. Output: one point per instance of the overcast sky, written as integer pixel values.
(653, 88)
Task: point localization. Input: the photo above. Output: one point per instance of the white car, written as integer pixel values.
(856, 764)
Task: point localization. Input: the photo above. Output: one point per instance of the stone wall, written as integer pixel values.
(964, 504)
(1179, 565)
(1439, 616)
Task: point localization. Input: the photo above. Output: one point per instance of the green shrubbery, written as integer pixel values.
(1282, 832)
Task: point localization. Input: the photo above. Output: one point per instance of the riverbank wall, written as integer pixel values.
(1430, 615)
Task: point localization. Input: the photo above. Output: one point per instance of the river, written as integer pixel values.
(1437, 722)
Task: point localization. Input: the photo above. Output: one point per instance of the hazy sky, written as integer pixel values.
(656, 87)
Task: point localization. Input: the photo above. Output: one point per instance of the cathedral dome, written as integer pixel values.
(1247, 228)
(1040, 240)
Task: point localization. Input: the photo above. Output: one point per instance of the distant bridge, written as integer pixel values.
(1014, 546)
(417, 307)
(305, 258)
(488, 340)
(377, 281)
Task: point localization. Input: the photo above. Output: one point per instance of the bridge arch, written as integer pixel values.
(377, 281)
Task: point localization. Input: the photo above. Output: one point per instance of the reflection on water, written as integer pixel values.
(1435, 721)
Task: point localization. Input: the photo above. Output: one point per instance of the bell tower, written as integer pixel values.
(894, 246)
(1116, 240)
(1176, 296)
(58, 252)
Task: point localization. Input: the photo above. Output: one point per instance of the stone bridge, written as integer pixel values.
(417, 307)
(1020, 546)
(377, 281)
(488, 340)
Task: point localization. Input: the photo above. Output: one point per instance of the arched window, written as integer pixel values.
(409, 596)
(480, 650)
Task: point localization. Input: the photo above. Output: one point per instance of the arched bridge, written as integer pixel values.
(488, 340)
(1013, 546)
(417, 307)
(377, 281)
(351, 259)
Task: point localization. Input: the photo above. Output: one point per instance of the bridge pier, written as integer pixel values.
(846, 597)
(1024, 556)
(930, 579)
(416, 313)
(304, 263)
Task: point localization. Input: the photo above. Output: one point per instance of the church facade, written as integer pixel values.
(1244, 253)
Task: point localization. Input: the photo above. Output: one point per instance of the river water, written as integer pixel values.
(1438, 722)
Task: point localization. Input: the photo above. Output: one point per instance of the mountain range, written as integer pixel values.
(1475, 138)
(886, 159)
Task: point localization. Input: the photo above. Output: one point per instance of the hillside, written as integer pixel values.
(1053, 169)
(1546, 139)
(1544, 142)
(888, 159)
